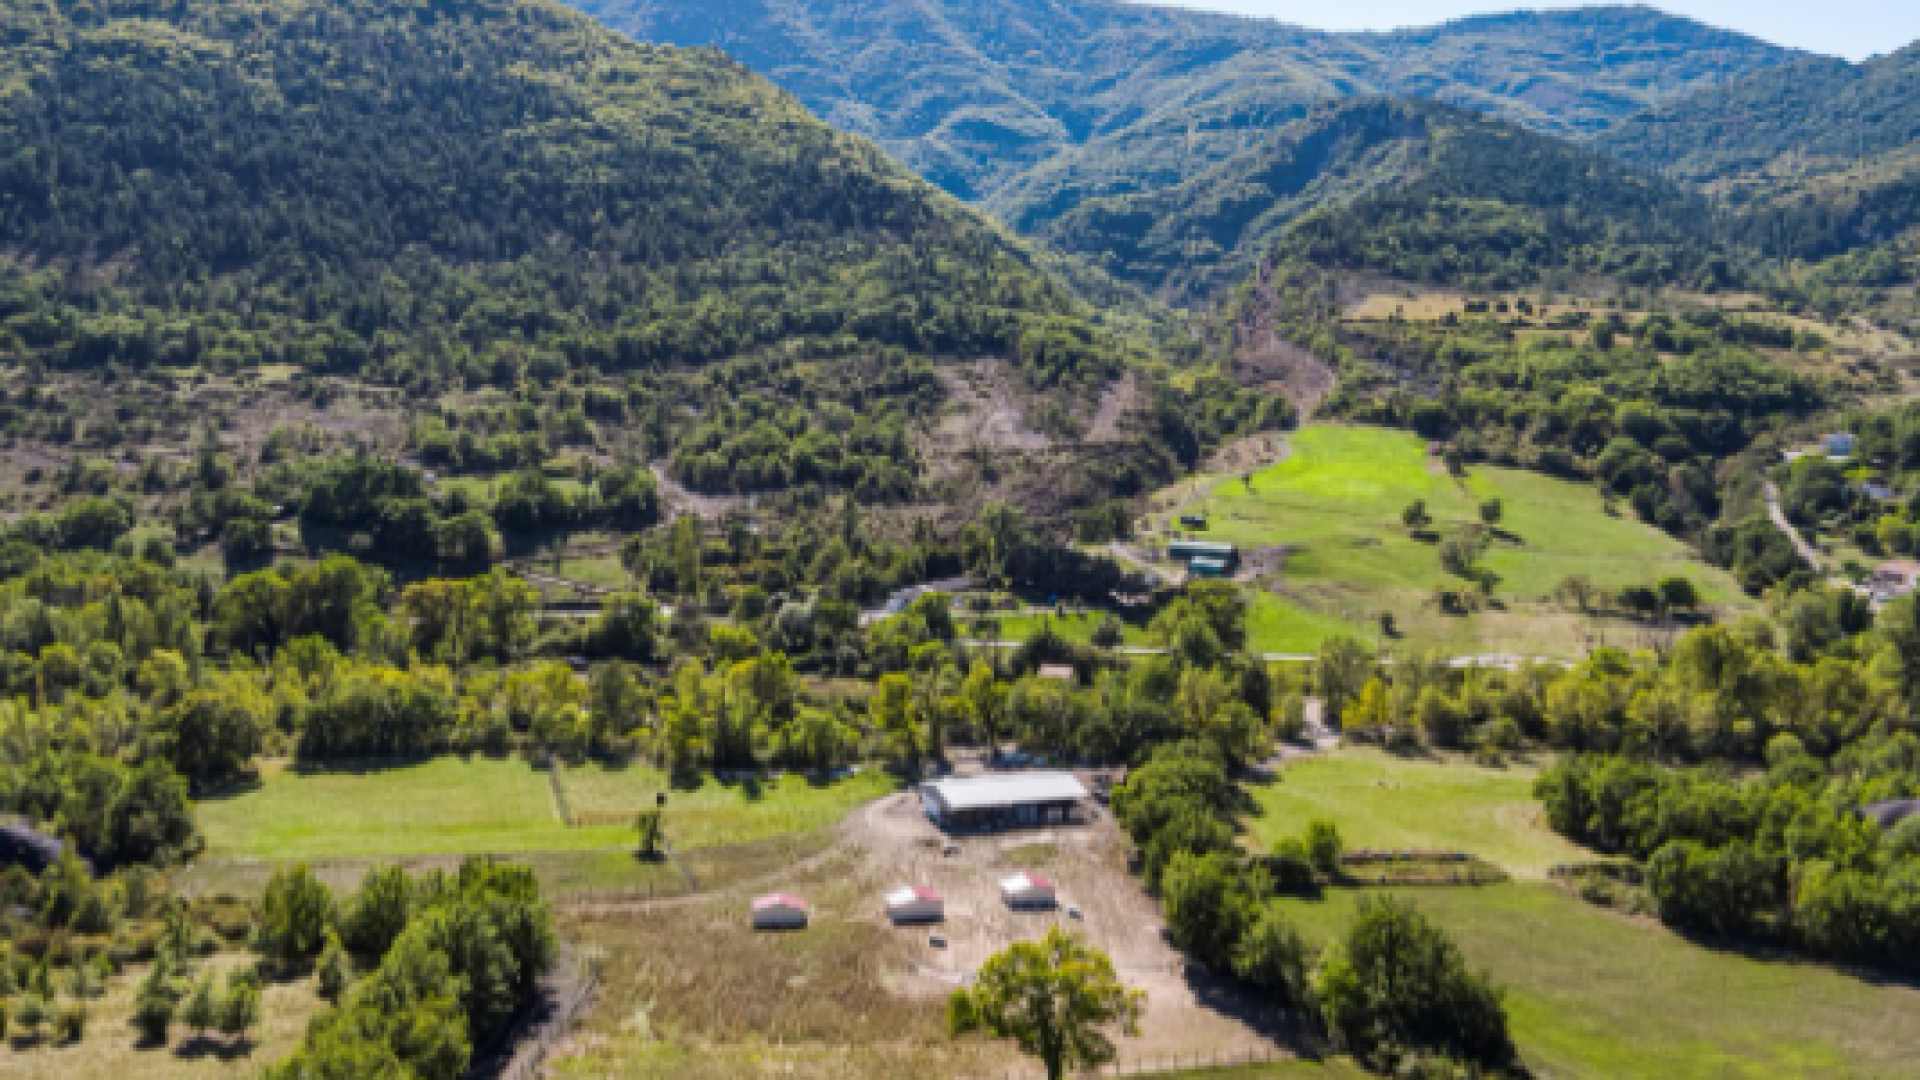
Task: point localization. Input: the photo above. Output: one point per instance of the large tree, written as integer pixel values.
(1053, 997)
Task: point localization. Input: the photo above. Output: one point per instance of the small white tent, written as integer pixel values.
(913, 904)
(779, 911)
(1025, 890)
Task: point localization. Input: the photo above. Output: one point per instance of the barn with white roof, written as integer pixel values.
(1002, 800)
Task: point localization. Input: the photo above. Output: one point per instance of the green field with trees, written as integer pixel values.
(1339, 506)
(1593, 993)
(482, 805)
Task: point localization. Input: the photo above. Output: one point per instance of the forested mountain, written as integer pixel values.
(1418, 190)
(1030, 106)
(1826, 154)
(432, 192)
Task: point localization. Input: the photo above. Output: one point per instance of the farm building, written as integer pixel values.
(779, 911)
(1057, 672)
(1002, 800)
(913, 904)
(22, 845)
(1894, 578)
(1205, 558)
(1024, 890)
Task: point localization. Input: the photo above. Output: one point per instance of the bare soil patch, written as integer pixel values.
(1188, 1009)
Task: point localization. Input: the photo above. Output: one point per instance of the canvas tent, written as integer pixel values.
(913, 904)
(1024, 890)
(779, 911)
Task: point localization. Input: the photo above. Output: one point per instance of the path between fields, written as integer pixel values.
(1807, 551)
(1502, 660)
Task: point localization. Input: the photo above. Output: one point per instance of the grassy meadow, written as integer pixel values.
(1382, 801)
(1335, 502)
(458, 806)
(1592, 993)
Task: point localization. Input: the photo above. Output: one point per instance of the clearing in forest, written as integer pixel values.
(1335, 506)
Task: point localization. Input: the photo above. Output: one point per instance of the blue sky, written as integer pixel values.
(1852, 28)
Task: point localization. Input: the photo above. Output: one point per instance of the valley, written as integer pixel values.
(1034, 537)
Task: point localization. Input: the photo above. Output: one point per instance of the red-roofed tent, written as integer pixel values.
(913, 904)
(1025, 890)
(779, 911)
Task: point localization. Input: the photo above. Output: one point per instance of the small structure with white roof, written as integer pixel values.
(779, 911)
(1893, 579)
(1024, 890)
(1002, 800)
(914, 904)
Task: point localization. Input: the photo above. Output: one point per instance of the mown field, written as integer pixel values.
(457, 806)
(1595, 994)
(1592, 993)
(1381, 801)
(1336, 502)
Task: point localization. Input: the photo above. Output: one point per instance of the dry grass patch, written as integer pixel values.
(691, 990)
(112, 1048)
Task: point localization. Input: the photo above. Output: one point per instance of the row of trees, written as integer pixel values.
(442, 966)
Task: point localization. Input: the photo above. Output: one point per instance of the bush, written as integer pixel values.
(71, 1023)
(1397, 983)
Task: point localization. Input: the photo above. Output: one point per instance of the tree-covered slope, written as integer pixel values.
(1409, 188)
(1824, 154)
(432, 190)
(1031, 106)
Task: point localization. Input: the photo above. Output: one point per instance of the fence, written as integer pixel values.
(560, 794)
(531, 1054)
(1168, 1064)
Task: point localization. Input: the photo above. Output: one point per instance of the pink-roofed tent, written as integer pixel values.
(1024, 890)
(779, 911)
(914, 904)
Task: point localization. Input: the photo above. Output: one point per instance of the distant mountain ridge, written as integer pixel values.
(1411, 188)
(1823, 154)
(1031, 107)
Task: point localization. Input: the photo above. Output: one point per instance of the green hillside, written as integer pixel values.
(1031, 106)
(432, 192)
(1422, 191)
(1823, 155)
(1333, 509)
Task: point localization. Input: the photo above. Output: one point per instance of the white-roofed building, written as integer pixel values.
(1024, 890)
(1002, 800)
(913, 904)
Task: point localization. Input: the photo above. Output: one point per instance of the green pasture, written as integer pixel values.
(1592, 993)
(1336, 501)
(1380, 801)
(457, 806)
